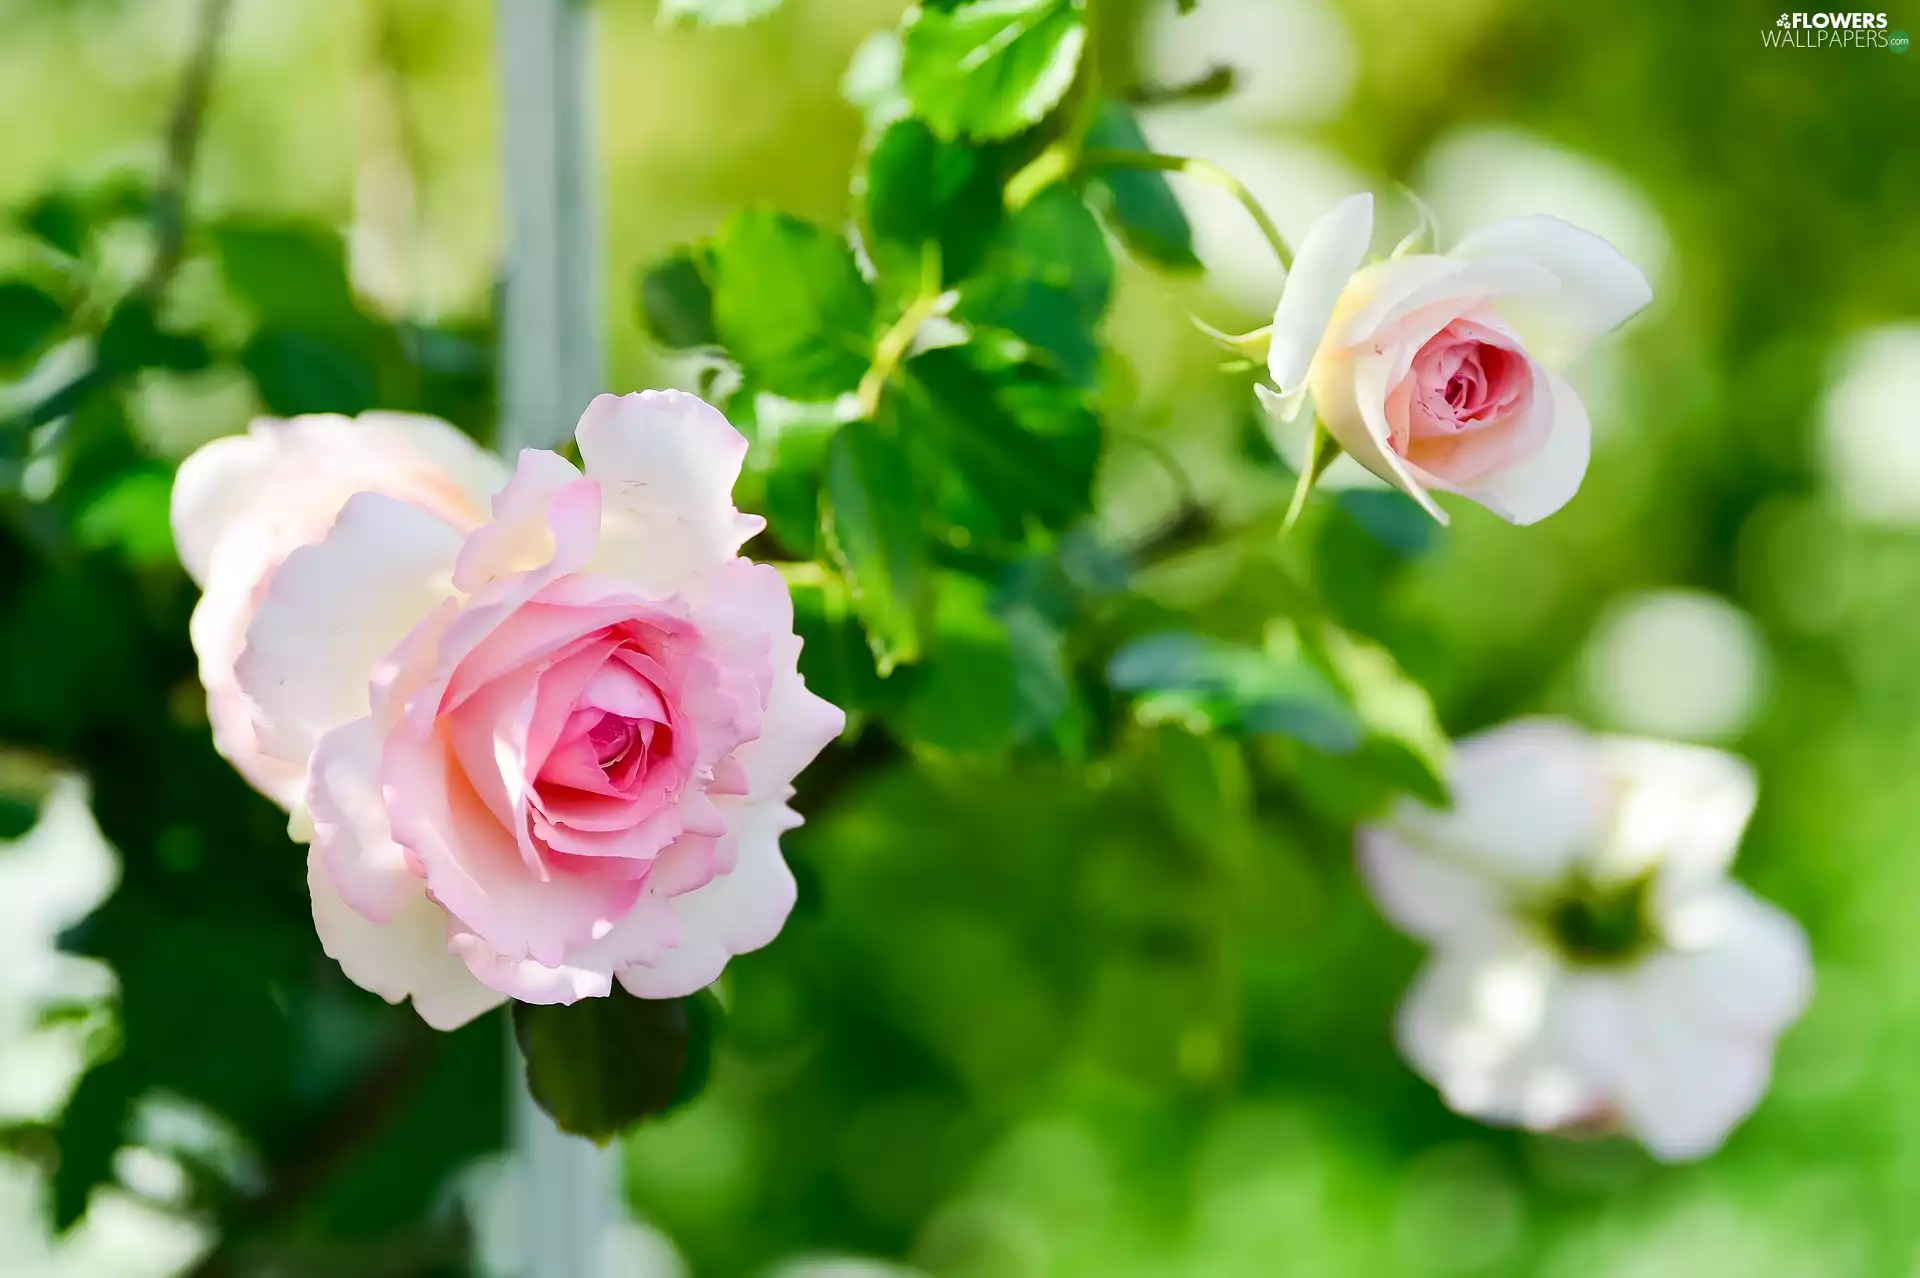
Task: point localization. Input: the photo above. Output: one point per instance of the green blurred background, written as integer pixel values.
(1127, 1017)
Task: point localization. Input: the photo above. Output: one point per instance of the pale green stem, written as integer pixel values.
(1201, 171)
(894, 344)
(1321, 452)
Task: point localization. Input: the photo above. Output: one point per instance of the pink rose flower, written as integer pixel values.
(1441, 373)
(549, 749)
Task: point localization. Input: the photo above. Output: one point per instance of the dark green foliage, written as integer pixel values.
(1018, 445)
(603, 1064)
(920, 191)
(349, 1110)
(299, 372)
(676, 303)
(1138, 204)
(1048, 281)
(133, 339)
(29, 319)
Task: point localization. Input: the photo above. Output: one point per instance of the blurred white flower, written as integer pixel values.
(1476, 176)
(825, 1266)
(1594, 966)
(1676, 663)
(1872, 409)
(1291, 59)
(50, 878)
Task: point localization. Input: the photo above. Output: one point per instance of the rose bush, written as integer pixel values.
(1441, 373)
(539, 750)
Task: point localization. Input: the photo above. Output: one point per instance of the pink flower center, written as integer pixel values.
(617, 735)
(611, 738)
(1466, 377)
(1461, 408)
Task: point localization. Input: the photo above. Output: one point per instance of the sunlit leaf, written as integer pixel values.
(130, 517)
(872, 79)
(992, 68)
(1397, 712)
(789, 303)
(872, 518)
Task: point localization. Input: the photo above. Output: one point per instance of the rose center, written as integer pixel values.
(612, 739)
(1460, 388)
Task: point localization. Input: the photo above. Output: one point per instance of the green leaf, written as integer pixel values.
(92, 1129)
(922, 190)
(991, 678)
(298, 372)
(65, 220)
(130, 517)
(836, 659)
(1218, 82)
(601, 1065)
(290, 274)
(871, 514)
(789, 453)
(57, 220)
(1399, 717)
(29, 321)
(1206, 683)
(132, 339)
(789, 303)
(992, 68)
(1047, 281)
(1139, 204)
(676, 304)
(1391, 518)
(716, 13)
(1020, 445)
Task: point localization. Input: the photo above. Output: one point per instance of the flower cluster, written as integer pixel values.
(540, 726)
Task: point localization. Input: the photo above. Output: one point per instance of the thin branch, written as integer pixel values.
(184, 127)
(894, 344)
(1322, 452)
(1200, 170)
